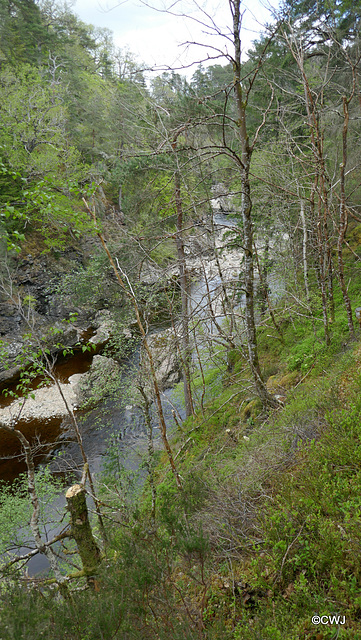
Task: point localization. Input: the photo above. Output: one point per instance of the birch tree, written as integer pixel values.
(243, 160)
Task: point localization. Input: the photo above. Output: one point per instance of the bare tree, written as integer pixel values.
(128, 290)
(184, 286)
(243, 161)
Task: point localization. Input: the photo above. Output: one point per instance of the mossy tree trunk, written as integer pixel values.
(81, 530)
(184, 285)
(244, 161)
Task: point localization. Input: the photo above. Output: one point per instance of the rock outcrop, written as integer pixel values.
(97, 383)
(45, 403)
(163, 346)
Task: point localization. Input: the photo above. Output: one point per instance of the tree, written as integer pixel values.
(243, 160)
(234, 143)
(312, 16)
(24, 36)
(230, 138)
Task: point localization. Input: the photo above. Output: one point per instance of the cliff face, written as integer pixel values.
(31, 302)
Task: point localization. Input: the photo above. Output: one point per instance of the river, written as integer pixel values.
(116, 420)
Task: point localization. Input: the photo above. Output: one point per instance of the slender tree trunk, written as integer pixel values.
(34, 520)
(321, 272)
(184, 284)
(319, 187)
(246, 210)
(343, 220)
(328, 257)
(304, 250)
(226, 302)
(150, 458)
(263, 283)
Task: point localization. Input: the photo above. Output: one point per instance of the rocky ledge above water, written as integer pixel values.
(45, 403)
(81, 388)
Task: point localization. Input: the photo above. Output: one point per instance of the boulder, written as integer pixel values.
(46, 403)
(98, 382)
(163, 346)
(104, 327)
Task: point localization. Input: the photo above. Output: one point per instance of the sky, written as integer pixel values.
(155, 37)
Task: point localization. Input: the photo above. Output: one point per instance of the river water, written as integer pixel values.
(116, 420)
(116, 415)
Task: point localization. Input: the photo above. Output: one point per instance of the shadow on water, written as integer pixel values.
(41, 433)
(115, 422)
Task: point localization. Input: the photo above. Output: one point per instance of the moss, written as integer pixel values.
(283, 381)
(252, 410)
(289, 380)
(164, 253)
(354, 238)
(273, 382)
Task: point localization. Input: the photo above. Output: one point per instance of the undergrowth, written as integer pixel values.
(265, 533)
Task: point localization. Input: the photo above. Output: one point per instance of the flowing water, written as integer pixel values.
(115, 420)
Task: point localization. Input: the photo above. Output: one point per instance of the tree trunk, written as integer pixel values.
(319, 187)
(246, 209)
(264, 289)
(343, 221)
(304, 250)
(182, 266)
(80, 528)
(34, 521)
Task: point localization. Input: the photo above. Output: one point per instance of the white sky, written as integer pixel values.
(155, 37)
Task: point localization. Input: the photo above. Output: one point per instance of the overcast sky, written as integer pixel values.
(155, 37)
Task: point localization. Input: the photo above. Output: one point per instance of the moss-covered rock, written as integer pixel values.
(283, 381)
(98, 382)
(252, 410)
(289, 380)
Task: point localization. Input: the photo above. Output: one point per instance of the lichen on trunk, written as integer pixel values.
(88, 549)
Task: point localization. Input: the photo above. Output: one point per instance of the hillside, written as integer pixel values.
(180, 332)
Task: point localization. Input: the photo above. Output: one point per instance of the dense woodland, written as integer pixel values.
(244, 521)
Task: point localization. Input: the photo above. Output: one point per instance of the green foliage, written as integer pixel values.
(90, 284)
(12, 220)
(40, 171)
(268, 517)
(33, 119)
(24, 36)
(312, 526)
(16, 511)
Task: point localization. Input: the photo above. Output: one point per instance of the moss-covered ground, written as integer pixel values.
(266, 531)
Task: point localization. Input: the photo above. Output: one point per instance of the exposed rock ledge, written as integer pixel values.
(163, 346)
(82, 387)
(89, 388)
(47, 403)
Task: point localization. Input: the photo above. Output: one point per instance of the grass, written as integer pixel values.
(281, 494)
(267, 530)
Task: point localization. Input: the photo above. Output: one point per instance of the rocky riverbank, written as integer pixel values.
(87, 389)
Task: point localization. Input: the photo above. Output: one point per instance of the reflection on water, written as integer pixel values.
(117, 419)
(41, 433)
